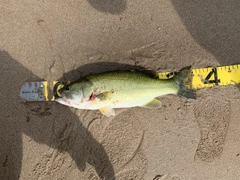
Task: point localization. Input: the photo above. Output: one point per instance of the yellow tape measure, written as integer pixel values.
(201, 78)
(211, 76)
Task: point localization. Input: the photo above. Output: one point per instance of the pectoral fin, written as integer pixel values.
(154, 104)
(104, 96)
(107, 111)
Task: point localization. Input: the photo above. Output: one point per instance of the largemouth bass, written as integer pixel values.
(123, 89)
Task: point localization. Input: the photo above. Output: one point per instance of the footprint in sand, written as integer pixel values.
(213, 116)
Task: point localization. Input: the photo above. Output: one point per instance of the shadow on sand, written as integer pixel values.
(214, 24)
(47, 123)
(109, 6)
(63, 129)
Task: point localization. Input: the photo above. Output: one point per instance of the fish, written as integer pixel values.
(124, 89)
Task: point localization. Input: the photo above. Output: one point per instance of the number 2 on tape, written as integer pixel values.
(215, 81)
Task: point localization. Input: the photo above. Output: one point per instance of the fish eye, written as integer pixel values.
(68, 88)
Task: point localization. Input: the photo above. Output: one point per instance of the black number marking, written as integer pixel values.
(216, 80)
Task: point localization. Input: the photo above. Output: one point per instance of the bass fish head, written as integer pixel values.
(75, 94)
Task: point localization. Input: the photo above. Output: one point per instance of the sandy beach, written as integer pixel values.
(64, 40)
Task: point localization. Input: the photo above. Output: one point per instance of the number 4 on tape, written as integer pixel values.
(220, 76)
(210, 74)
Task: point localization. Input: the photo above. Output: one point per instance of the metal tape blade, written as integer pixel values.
(34, 91)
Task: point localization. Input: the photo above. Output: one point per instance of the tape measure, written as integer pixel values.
(201, 78)
(211, 76)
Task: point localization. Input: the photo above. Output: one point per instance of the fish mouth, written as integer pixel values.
(62, 99)
(59, 99)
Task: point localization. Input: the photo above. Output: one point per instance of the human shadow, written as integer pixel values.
(109, 6)
(46, 123)
(214, 24)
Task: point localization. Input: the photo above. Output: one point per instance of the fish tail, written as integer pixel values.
(184, 83)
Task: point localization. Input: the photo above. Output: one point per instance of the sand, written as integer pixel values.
(65, 40)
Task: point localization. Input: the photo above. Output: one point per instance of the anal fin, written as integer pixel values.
(107, 111)
(154, 104)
